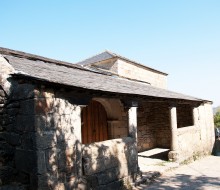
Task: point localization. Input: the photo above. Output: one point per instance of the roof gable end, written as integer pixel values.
(109, 55)
(97, 58)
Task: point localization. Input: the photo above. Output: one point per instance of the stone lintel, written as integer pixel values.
(130, 103)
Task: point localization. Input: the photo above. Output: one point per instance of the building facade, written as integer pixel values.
(81, 126)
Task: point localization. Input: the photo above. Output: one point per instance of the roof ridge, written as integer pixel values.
(34, 57)
(84, 60)
(112, 53)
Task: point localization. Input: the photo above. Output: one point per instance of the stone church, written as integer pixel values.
(70, 126)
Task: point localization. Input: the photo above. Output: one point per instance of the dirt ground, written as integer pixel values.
(202, 174)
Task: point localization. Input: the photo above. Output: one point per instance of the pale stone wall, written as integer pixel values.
(132, 71)
(197, 140)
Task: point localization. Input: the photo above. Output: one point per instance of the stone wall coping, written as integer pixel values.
(187, 129)
(109, 142)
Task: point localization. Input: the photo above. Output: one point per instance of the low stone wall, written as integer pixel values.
(107, 164)
(195, 141)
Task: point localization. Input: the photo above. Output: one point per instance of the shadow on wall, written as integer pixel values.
(45, 152)
(59, 155)
(110, 164)
(181, 181)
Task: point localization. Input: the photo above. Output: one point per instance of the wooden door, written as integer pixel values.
(94, 123)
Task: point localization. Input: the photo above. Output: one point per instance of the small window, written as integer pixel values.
(184, 115)
(94, 123)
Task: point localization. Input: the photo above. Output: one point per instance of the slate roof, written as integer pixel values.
(109, 55)
(67, 74)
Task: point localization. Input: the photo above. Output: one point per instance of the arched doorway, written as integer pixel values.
(94, 123)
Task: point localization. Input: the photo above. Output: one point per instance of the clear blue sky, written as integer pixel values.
(180, 37)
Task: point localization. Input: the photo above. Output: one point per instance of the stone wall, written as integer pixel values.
(58, 132)
(195, 141)
(145, 127)
(162, 125)
(14, 124)
(108, 164)
(153, 126)
(129, 70)
(40, 143)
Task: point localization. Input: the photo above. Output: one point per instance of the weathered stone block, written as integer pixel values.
(92, 181)
(11, 138)
(7, 120)
(41, 163)
(67, 161)
(22, 91)
(22, 177)
(45, 139)
(26, 160)
(108, 176)
(25, 123)
(92, 166)
(12, 111)
(112, 161)
(27, 107)
(2, 93)
(6, 175)
(44, 93)
(14, 104)
(46, 122)
(52, 159)
(114, 185)
(6, 153)
(44, 106)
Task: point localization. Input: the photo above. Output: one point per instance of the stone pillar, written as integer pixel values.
(78, 134)
(132, 132)
(132, 122)
(195, 116)
(173, 154)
